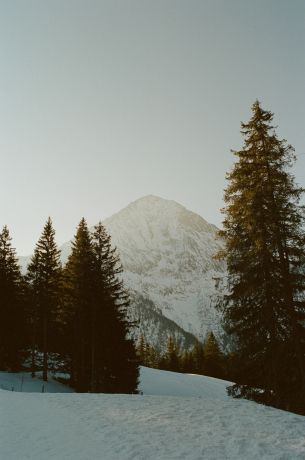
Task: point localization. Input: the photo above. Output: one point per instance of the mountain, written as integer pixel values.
(167, 254)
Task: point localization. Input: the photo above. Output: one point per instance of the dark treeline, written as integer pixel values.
(204, 358)
(72, 317)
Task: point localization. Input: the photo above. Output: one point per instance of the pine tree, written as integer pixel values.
(172, 355)
(80, 286)
(187, 362)
(103, 355)
(44, 275)
(264, 250)
(198, 358)
(11, 306)
(142, 350)
(213, 357)
(152, 357)
(32, 313)
(117, 369)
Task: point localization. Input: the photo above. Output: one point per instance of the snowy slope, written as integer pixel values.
(23, 382)
(168, 254)
(205, 424)
(166, 383)
(152, 382)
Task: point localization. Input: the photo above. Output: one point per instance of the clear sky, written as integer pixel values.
(102, 102)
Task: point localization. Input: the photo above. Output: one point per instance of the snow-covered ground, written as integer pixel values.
(177, 417)
(23, 382)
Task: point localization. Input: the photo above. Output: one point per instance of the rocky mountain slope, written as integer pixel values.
(168, 254)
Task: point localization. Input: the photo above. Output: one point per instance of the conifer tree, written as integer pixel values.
(103, 355)
(198, 358)
(32, 313)
(213, 357)
(11, 306)
(80, 285)
(264, 250)
(187, 362)
(142, 350)
(152, 357)
(117, 362)
(172, 355)
(44, 275)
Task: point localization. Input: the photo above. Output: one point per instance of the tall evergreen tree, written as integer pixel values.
(152, 357)
(264, 250)
(187, 362)
(103, 355)
(198, 358)
(11, 307)
(172, 357)
(213, 357)
(44, 274)
(116, 362)
(79, 282)
(142, 350)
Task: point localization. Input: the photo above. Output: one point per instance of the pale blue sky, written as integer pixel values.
(102, 102)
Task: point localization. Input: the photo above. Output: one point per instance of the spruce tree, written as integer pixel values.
(44, 275)
(103, 355)
(198, 358)
(187, 362)
(264, 250)
(142, 350)
(11, 306)
(152, 357)
(80, 286)
(172, 355)
(213, 357)
(116, 361)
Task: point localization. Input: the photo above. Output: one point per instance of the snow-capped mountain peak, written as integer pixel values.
(168, 255)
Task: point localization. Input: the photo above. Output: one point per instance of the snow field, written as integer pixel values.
(198, 421)
(23, 382)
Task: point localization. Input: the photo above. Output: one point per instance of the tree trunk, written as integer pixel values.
(92, 382)
(44, 347)
(33, 361)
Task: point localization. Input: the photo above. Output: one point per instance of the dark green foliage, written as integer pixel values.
(207, 359)
(121, 375)
(142, 349)
(103, 356)
(187, 362)
(232, 367)
(213, 357)
(172, 355)
(153, 357)
(264, 247)
(11, 306)
(44, 278)
(147, 355)
(198, 358)
(80, 285)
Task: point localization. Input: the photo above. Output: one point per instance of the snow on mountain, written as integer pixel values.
(178, 416)
(168, 254)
